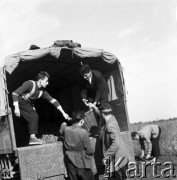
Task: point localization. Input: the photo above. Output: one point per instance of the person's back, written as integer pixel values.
(78, 147)
(149, 137)
(73, 138)
(150, 131)
(78, 150)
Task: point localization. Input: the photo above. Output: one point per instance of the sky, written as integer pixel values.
(141, 33)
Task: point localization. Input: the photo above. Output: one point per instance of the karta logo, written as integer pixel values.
(139, 169)
(112, 166)
(4, 173)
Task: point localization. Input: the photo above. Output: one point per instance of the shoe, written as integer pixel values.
(35, 141)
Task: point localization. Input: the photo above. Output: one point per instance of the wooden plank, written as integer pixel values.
(41, 161)
(11, 128)
(7, 136)
(5, 139)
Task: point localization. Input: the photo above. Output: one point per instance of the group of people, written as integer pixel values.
(78, 148)
(79, 151)
(94, 92)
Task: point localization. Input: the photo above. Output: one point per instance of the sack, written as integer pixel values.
(66, 43)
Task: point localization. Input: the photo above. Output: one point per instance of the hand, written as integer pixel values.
(92, 106)
(142, 156)
(17, 112)
(148, 156)
(64, 124)
(95, 103)
(85, 102)
(66, 116)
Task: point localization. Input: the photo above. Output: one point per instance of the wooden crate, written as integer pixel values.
(90, 120)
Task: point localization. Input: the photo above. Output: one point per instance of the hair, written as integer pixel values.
(77, 117)
(84, 69)
(105, 109)
(133, 134)
(42, 75)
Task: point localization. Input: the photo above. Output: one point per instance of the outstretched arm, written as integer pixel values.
(65, 115)
(54, 102)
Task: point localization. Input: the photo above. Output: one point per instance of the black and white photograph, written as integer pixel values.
(88, 89)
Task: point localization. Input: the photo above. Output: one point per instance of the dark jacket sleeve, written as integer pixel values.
(114, 137)
(99, 88)
(101, 85)
(87, 144)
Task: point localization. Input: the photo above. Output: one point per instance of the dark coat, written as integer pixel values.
(98, 89)
(77, 146)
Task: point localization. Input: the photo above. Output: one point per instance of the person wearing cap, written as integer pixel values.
(148, 136)
(94, 88)
(79, 148)
(112, 143)
(24, 98)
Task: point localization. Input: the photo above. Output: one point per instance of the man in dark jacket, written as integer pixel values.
(94, 88)
(23, 101)
(78, 149)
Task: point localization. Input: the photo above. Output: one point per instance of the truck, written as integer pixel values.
(62, 61)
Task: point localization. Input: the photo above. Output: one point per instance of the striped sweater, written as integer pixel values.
(26, 88)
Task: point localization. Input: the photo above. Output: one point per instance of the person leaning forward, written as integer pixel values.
(148, 136)
(78, 149)
(94, 88)
(25, 96)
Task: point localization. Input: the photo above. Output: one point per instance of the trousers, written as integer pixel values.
(79, 173)
(30, 115)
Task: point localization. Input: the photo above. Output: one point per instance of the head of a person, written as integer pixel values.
(85, 71)
(43, 79)
(135, 135)
(105, 110)
(78, 118)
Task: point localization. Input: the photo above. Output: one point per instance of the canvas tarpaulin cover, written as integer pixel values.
(12, 61)
(3, 102)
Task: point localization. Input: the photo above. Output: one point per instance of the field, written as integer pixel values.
(166, 165)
